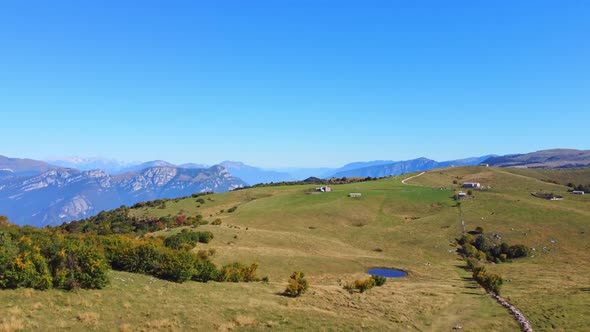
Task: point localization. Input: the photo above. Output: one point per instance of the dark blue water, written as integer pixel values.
(387, 273)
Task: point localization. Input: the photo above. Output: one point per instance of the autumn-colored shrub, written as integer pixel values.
(297, 285)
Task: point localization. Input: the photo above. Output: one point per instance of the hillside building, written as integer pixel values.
(324, 189)
(578, 192)
(476, 185)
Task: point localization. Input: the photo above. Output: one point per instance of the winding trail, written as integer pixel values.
(411, 177)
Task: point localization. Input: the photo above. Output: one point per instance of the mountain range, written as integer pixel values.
(60, 195)
(556, 158)
(42, 193)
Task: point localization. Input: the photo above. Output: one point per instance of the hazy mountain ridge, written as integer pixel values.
(14, 167)
(254, 175)
(555, 158)
(110, 166)
(61, 195)
(407, 166)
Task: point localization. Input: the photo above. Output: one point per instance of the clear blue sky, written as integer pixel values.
(292, 83)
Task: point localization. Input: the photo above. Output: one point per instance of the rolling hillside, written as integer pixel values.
(334, 239)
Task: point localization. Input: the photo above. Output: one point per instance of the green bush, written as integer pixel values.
(297, 285)
(40, 259)
(379, 280)
(187, 240)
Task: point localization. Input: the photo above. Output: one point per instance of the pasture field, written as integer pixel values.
(334, 239)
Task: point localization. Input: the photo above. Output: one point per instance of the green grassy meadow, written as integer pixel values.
(334, 239)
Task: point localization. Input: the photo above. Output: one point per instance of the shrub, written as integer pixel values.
(489, 281)
(237, 272)
(178, 267)
(216, 222)
(297, 285)
(232, 209)
(363, 285)
(472, 262)
(379, 280)
(517, 251)
(187, 240)
(349, 286)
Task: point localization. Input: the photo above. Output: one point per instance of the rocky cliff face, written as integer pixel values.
(61, 195)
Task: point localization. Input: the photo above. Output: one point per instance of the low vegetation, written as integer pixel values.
(483, 247)
(41, 259)
(51, 258)
(187, 240)
(297, 285)
(362, 285)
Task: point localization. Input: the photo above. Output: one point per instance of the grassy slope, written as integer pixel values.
(332, 238)
(550, 288)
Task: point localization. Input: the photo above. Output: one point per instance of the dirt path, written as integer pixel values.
(411, 177)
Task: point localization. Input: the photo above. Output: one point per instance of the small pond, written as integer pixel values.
(387, 272)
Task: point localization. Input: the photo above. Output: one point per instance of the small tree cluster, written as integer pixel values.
(484, 248)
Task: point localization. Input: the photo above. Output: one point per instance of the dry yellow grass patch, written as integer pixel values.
(242, 320)
(88, 317)
(125, 328)
(10, 324)
(161, 324)
(27, 293)
(225, 327)
(36, 306)
(15, 311)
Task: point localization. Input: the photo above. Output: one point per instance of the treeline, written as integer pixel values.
(580, 187)
(51, 258)
(118, 221)
(314, 180)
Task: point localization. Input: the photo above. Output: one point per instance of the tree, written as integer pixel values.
(297, 285)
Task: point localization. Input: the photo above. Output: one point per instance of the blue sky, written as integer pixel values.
(292, 83)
